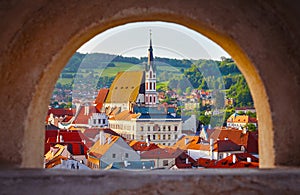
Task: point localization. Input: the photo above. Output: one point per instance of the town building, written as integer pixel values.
(133, 110)
(240, 121)
(109, 149)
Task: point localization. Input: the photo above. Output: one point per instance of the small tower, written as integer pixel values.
(150, 78)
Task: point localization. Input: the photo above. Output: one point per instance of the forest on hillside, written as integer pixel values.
(176, 74)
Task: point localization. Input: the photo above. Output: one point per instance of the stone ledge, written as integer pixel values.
(208, 181)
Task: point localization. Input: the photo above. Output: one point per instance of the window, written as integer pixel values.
(99, 121)
(95, 121)
(165, 162)
(150, 85)
(148, 128)
(146, 99)
(113, 155)
(146, 85)
(103, 121)
(150, 99)
(154, 99)
(158, 136)
(164, 128)
(175, 136)
(142, 137)
(154, 86)
(169, 128)
(150, 74)
(169, 137)
(126, 155)
(142, 128)
(164, 137)
(175, 128)
(153, 137)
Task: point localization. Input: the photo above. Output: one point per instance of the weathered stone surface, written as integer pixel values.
(37, 39)
(208, 181)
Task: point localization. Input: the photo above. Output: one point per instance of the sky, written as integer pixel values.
(168, 40)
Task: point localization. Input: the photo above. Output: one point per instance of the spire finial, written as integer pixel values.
(150, 38)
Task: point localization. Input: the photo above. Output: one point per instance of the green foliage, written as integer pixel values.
(240, 93)
(251, 127)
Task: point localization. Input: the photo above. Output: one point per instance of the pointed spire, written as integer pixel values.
(150, 53)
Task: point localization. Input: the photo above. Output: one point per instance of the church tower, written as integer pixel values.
(150, 78)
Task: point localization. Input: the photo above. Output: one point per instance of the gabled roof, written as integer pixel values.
(100, 99)
(185, 141)
(132, 165)
(61, 112)
(226, 146)
(98, 150)
(240, 161)
(161, 153)
(235, 118)
(83, 117)
(125, 115)
(142, 146)
(125, 87)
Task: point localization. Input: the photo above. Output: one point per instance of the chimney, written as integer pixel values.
(147, 141)
(226, 138)
(187, 161)
(234, 159)
(211, 147)
(102, 138)
(84, 141)
(61, 138)
(248, 159)
(86, 110)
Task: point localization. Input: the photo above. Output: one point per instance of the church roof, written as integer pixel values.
(125, 87)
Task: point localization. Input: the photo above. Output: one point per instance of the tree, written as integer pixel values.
(188, 90)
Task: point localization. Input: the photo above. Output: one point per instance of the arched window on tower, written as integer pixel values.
(150, 99)
(154, 99)
(150, 85)
(150, 74)
(154, 86)
(146, 85)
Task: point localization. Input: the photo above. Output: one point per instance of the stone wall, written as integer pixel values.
(38, 37)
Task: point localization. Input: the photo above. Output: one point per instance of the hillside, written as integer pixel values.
(97, 70)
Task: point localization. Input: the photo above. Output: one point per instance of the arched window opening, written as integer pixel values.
(198, 93)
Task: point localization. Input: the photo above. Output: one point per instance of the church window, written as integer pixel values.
(154, 86)
(146, 85)
(150, 99)
(154, 100)
(150, 85)
(146, 99)
(150, 74)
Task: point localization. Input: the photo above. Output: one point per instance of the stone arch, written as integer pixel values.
(38, 42)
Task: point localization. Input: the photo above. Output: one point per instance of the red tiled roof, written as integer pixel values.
(161, 153)
(204, 162)
(101, 96)
(142, 146)
(61, 112)
(82, 118)
(226, 145)
(240, 162)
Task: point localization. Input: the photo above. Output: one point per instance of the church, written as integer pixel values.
(133, 108)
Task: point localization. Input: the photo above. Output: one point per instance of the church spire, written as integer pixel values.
(150, 53)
